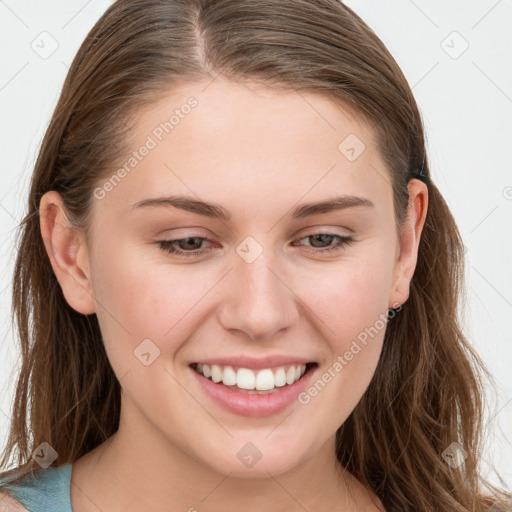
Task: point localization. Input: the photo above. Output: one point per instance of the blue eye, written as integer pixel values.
(181, 246)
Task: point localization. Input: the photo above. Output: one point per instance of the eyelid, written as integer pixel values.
(324, 229)
(189, 232)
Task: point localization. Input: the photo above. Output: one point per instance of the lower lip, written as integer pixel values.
(254, 405)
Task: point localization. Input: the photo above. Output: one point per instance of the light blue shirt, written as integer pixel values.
(49, 490)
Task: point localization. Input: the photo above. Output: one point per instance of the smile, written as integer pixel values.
(245, 380)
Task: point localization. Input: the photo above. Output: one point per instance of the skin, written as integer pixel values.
(176, 449)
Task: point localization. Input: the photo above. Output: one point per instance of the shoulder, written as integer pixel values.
(44, 489)
(10, 504)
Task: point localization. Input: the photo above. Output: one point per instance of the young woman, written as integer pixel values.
(236, 283)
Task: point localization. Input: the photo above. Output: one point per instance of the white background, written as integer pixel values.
(466, 104)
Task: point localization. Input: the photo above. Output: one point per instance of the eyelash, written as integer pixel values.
(170, 245)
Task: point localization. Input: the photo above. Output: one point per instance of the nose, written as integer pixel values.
(257, 300)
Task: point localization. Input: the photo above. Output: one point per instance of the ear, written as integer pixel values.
(409, 242)
(67, 249)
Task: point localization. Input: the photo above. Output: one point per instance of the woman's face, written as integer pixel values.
(277, 283)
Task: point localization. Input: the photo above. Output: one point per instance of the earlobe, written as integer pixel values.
(409, 241)
(68, 253)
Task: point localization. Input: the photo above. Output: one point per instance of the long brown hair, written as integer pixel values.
(427, 392)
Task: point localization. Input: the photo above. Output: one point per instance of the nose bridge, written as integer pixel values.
(259, 302)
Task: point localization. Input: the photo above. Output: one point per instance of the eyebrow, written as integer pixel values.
(216, 211)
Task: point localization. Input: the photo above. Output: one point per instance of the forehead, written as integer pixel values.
(232, 143)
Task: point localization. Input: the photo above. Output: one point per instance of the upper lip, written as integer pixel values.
(257, 363)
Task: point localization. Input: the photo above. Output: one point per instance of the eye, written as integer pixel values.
(326, 239)
(173, 246)
(191, 246)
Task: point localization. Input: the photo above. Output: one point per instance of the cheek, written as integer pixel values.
(351, 295)
(350, 304)
(140, 297)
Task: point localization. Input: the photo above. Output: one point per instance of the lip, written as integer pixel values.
(254, 363)
(255, 405)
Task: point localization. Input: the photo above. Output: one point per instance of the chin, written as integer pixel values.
(248, 461)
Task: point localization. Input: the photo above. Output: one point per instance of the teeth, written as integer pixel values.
(259, 381)
(229, 376)
(290, 375)
(280, 378)
(245, 378)
(265, 380)
(216, 373)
